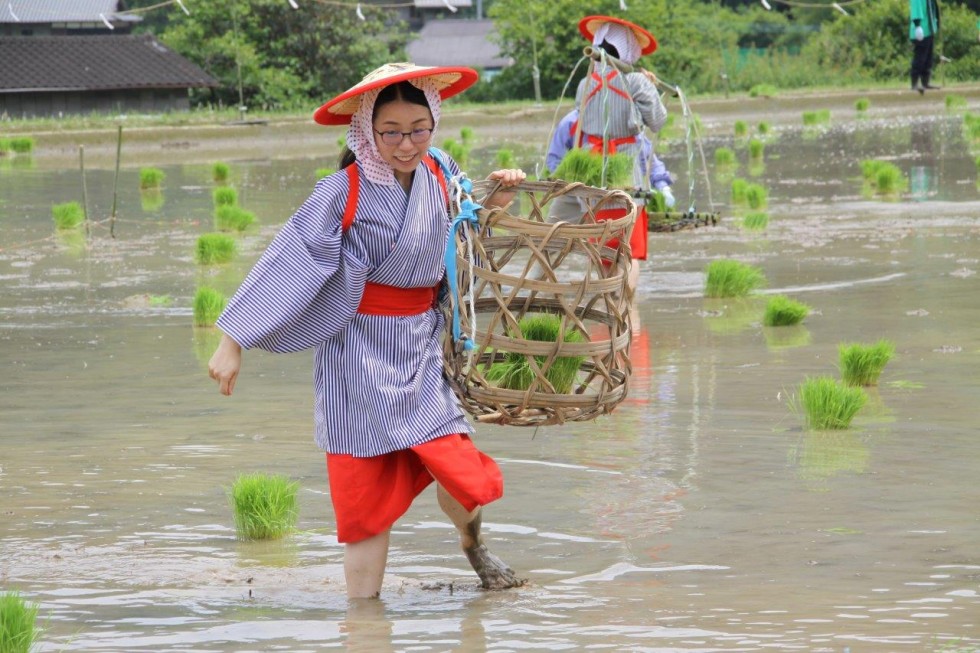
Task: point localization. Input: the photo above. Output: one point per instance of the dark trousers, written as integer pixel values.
(922, 60)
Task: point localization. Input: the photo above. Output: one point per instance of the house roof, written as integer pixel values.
(57, 11)
(88, 63)
(457, 42)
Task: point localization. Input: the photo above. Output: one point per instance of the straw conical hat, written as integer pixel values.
(449, 80)
(590, 24)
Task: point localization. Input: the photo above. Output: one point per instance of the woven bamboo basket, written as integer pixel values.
(515, 267)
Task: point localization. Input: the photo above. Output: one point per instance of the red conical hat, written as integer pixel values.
(449, 80)
(590, 24)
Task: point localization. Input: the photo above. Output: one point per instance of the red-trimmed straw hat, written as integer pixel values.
(590, 24)
(448, 80)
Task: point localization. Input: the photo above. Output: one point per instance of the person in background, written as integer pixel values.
(923, 28)
(355, 274)
(657, 174)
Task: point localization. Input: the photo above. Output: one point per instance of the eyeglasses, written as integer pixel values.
(392, 137)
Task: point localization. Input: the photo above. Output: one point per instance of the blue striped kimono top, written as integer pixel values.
(379, 384)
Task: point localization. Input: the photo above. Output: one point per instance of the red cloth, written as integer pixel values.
(638, 239)
(379, 299)
(370, 494)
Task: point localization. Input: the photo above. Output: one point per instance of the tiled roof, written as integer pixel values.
(61, 63)
(457, 42)
(56, 11)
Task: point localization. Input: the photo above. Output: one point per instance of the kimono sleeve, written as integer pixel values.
(305, 288)
(647, 101)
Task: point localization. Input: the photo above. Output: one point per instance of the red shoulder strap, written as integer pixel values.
(436, 169)
(350, 209)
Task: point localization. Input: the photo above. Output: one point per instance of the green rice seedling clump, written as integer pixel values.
(22, 144)
(756, 148)
(5, 147)
(724, 156)
(862, 104)
(220, 172)
(755, 221)
(739, 187)
(861, 365)
(515, 372)
(224, 196)
(151, 178)
(954, 102)
(208, 304)
(586, 167)
(783, 311)
(756, 196)
(730, 278)
(763, 90)
(870, 167)
(809, 118)
(890, 179)
(264, 506)
(764, 128)
(827, 404)
(971, 125)
(466, 135)
(505, 158)
(18, 629)
(68, 215)
(233, 218)
(741, 128)
(457, 150)
(215, 249)
(656, 202)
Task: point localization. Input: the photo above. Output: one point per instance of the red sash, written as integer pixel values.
(379, 299)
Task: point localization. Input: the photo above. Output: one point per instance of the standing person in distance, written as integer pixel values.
(923, 28)
(355, 274)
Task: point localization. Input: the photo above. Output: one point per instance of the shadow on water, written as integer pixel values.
(700, 516)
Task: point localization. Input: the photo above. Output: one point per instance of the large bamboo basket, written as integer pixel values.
(523, 266)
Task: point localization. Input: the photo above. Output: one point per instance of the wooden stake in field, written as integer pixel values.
(81, 165)
(115, 184)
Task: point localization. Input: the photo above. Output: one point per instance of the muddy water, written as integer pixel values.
(700, 516)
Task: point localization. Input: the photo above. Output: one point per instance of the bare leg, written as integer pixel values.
(364, 566)
(494, 574)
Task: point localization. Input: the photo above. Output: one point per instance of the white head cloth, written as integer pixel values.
(360, 135)
(621, 37)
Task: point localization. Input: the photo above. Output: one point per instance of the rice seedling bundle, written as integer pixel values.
(151, 178)
(505, 158)
(264, 506)
(862, 104)
(68, 215)
(756, 196)
(763, 90)
(739, 186)
(889, 179)
(954, 102)
(756, 148)
(215, 248)
(656, 202)
(5, 147)
(763, 128)
(585, 167)
(233, 218)
(17, 623)
(827, 404)
(224, 196)
(466, 135)
(861, 365)
(724, 156)
(741, 128)
(783, 311)
(730, 278)
(208, 304)
(457, 150)
(516, 373)
(220, 172)
(22, 144)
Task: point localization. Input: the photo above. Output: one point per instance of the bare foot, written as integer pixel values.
(492, 571)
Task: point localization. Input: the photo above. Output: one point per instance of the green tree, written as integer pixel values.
(283, 57)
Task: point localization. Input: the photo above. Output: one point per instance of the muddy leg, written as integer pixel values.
(493, 572)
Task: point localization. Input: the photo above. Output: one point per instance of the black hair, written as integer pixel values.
(401, 91)
(609, 48)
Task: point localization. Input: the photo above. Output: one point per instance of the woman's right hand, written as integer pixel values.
(225, 364)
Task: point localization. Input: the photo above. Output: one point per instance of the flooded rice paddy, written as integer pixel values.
(699, 516)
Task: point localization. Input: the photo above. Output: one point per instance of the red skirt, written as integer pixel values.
(370, 494)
